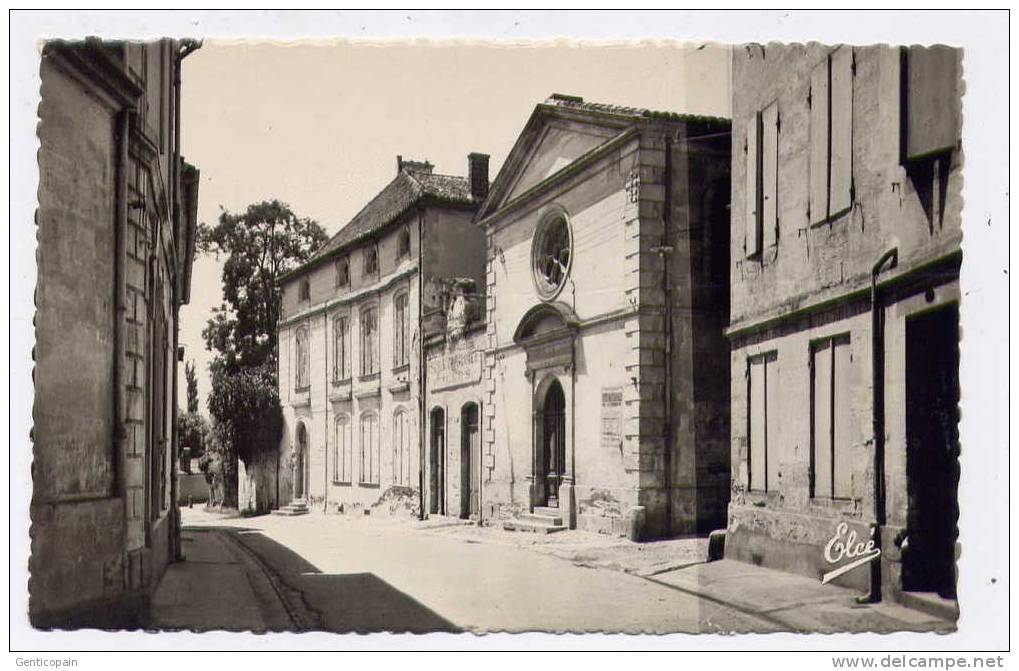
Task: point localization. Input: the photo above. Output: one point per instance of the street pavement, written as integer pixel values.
(359, 574)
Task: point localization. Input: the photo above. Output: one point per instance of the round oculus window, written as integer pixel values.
(551, 253)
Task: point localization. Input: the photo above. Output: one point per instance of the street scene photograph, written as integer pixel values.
(470, 337)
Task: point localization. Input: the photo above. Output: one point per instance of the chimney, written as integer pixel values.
(413, 166)
(477, 175)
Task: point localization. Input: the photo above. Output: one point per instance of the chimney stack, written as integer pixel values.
(413, 166)
(477, 175)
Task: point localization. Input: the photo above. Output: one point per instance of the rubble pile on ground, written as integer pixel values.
(397, 501)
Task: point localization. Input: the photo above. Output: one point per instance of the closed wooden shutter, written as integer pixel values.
(769, 171)
(821, 420)
(842, 404)
(819, 143)
(932, 102)
(840, 195)
(752, 194)
(771, 415)
(758, 427)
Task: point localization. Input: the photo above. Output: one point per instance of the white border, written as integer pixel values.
(985, 528)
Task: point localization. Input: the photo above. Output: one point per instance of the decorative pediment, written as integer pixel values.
(546, 321)
(553, 140)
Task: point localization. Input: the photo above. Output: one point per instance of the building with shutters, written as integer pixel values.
(116, 239)
(605, 379)
(350, 346)
(846, 231)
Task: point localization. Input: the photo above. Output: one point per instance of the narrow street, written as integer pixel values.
(343, 574)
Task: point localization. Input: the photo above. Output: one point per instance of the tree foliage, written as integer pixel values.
(246, 408)
(192, 382)
(192, 432)
(261, 245)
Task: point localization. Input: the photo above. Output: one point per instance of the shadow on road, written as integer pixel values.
(342, 603)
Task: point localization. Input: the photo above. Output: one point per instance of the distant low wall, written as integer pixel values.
(191, 488)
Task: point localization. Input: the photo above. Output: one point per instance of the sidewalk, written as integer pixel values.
(790, 602)
(216, 584)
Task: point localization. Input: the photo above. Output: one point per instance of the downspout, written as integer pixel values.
(890, 259)
(123, 127)
(422, 372)
(325, 415)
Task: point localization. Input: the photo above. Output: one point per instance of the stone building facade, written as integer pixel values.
(116, 235)
(350, 365)
(846, 231)
(605, 402)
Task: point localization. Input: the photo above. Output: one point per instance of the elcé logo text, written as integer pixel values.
(844, 545)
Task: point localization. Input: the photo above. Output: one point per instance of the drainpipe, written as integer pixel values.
(325, 415)
(889, 259)
(422, 372)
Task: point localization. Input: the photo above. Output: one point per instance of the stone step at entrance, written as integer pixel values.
(542, 521)
(296, 507)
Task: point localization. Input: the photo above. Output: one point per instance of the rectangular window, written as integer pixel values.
(762, 181)
(930, 118)
(371, 261)
(303, 363)
(762, 421)
(403, 244)
(369, 341)
(305, 291)
(370, 450)
(830, 444)
(831, 135)
(401, 448)
(342, 453)
(341, 348)
(400, 328)
(342, 272)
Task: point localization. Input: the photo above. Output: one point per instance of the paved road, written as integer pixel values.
(345, 575)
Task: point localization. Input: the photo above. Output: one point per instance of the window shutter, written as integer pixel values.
(769, 170)
(841, 129)
(822, 395)
(819, 143)
(758, 427)
(932, 100)
(771, 415)
(752, 246)
(843, 442)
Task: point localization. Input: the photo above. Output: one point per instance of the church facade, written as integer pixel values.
(605, 394)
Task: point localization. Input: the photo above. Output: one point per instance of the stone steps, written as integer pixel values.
(542, 521)
(292, 509)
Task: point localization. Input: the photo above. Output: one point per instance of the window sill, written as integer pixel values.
(341, 382)
(302, 390)
(369, 377)
(341, 483)
(402, 368)
(369, 485)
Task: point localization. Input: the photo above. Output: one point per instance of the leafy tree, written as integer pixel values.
(192, 381)
(192, 432)
(261, 245)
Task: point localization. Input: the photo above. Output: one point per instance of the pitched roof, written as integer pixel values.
(407, 189)
(577, 103)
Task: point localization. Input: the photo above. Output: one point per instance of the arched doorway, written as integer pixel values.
(298, 460)
(437, 463)
(470, 461)
(550, 444)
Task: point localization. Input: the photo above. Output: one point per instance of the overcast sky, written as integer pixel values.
(319, 125)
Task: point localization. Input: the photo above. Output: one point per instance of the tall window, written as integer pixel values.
(343, 454)
(305, 290)
(341, 347)
(831, 135)
(303, 378)
(762, 447)
(762, 181)
(369, 449)
(371, 260)
(401, 448)
(403, 243)
(369, 341)
(830, 455)
(401, 326)
(342, 272)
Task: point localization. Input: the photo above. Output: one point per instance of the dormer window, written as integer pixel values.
(342, 272)
(403, 244)
(371, 260)
(305, 291)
